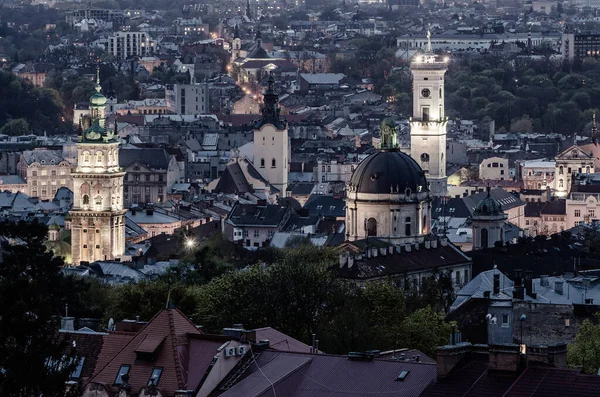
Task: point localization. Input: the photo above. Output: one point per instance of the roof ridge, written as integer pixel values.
(173, 336)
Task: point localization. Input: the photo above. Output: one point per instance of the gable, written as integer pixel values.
(573, 152)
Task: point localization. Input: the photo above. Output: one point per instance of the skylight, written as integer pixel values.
(124, 370)
(403, 374)
(155, 377)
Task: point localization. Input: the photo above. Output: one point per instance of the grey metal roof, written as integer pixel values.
(43, 156)
(255, 215)
(481, 283)
(11, 180)
(321, 375)
(154, 158)
(323, 78)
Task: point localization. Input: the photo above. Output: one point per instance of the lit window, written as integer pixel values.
(567, 322)
(124, 370)
(155, 377)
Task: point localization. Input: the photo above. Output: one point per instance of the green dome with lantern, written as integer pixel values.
(97, 131)
(489, 206)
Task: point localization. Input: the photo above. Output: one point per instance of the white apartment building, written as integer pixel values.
(124, 45)
(495, 168)
(187, 99)
(582, 207)
(333, 171)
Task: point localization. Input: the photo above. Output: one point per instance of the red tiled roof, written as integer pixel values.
(279, 340)
(169, 326)
(547, 381)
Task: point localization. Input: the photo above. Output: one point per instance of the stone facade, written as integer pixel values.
(45, 171)
(428, 123)
(568, 164)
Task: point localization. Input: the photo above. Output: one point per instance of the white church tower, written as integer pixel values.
(428, 122)
(98, 217)
(271, 142)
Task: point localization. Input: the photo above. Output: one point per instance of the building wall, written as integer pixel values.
(43, 180)
(567, 167)
(494, 168)
(333, 171)
(545, 323)
(495, 231)
(185, 99)
(391, 217)
(36, 78)
(98, 220)
(537, 177)
(271, 155)
(124, 45)
(582, 208)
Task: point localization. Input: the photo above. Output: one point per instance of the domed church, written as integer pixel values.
(388, 195)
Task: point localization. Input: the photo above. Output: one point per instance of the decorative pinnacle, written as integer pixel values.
(98, 86)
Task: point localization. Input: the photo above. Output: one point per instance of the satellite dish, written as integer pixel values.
(111, 325)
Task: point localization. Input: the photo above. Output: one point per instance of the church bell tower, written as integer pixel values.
(428, 122)
(98, 217)
(271, 142)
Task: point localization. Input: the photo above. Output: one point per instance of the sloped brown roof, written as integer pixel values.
(170, 327)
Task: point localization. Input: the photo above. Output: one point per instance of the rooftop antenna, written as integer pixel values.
(594, 131)
(168, 295)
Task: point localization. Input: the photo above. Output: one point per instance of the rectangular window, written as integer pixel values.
(44, 172)
(425, 111)
(155, 377)
(592, 213)
(466, 276)
(256, 234)
(245, 233)
(505, 320)
(33, 173)
(124, 370)
(577, 213)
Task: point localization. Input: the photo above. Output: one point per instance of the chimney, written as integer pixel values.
(398, 249)
(67, 323)
(496, 284)
(450, 355)
(518, 278)
(504, 357)
(417, 246)
(528, 282)
(444, 241)
(427, 245)
(486, 294)
(391, 249)
(382, 251)
(373, 252)
(343, 260)
(557, 355)
(149, 211)
(350, 262)
(434, 244)
(558, 287)
(407, 247)
(519, 292)
(544, 281)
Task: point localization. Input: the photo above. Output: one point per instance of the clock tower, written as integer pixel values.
(428, 122)
(98, 217)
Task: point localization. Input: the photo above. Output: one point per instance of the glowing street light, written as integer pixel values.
(190, 243)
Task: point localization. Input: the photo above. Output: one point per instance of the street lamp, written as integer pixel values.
(522, 346)
(190, 243)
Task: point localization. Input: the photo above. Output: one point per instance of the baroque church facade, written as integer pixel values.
(97, 217)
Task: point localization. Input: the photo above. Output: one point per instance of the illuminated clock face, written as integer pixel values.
(426, 93)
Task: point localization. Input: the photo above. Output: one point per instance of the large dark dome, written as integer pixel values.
(388, 169)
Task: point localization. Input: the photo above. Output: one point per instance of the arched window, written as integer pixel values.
(86, 199)
(560, 183)
(425, 158)
(587, 170)
(371, 227)
(560, 170)
(407, 229)
(262, 163)
(273, 163)
(86, 157)
(484, 238)
(99, 158)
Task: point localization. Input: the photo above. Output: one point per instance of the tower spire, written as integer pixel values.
(270, 109)
(98, 86)
(594, 131)
(429, 38)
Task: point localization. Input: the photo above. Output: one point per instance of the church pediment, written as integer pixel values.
(574, 152)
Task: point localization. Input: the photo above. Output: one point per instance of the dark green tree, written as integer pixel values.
(33, 358)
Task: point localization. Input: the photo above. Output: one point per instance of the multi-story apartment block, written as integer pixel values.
(130, 44)
(184, 99)
(45, 171)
